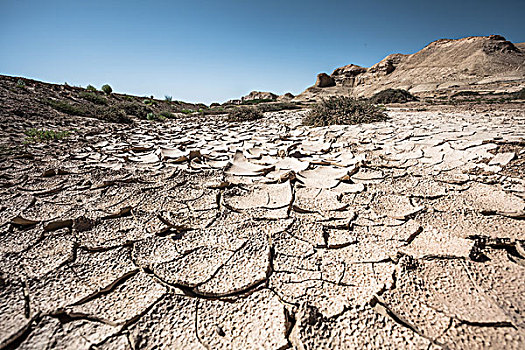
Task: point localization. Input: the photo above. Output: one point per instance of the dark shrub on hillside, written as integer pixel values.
(167, 114)
(392, 96)
(68, 108)
(107, 89)
(243, 114)
(137, 109)
(113, 114)
(93, 97)
(343, 111)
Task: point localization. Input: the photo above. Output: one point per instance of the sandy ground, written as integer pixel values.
(198, 233)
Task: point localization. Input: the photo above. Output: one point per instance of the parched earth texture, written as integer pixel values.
(201, 234)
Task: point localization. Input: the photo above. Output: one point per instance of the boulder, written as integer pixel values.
(259, 95)
(324, 80)
(286, 97)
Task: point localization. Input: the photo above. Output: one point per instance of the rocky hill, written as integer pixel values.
(446, 65)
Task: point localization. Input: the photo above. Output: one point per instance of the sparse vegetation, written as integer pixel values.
(41, 135)
(20, 84)
(187, 111)
(115, 114)
(168, 98)
(93, 97)
(107, 89)
(148, 102)
(68, 108)
(155, 117)
(392, 96)
(135, 108)
(343, 111)
(243, 114)
(91, 88)
(167, 114)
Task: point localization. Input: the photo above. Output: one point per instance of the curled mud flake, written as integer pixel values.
(242, 167)
(323, 176)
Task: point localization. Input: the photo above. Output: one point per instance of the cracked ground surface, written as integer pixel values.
(198, 233)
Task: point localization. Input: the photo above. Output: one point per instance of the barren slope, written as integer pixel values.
(443, 64)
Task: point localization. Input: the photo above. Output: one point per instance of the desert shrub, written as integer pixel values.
(154, 117)
(168, 98)
(20, 84)
(91, 88)
(343, 111)
(242, 114)
(148, 102)
(93, 97)
(41, 135)
(187, 111)
(167, 114)
(135, 108)
(107, 89)
(68, 108)
(114, 114)
(392, 96)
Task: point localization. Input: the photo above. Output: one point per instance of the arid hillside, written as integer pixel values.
(484, 63)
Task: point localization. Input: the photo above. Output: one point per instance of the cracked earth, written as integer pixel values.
(202, 234)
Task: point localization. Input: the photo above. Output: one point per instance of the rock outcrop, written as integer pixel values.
(324, 80)
(443, 64)
(259, 95)
(286, 97)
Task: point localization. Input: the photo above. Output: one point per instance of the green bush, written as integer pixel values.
(187, 111)
(155, 117)
(148, 102)
(20, 83)
(167, 114)
(242, 114)
(107, 89)
(135, 108)
(91, 88)
(392, 96)
(40, 135)
(343, 111)
(168, 98)
(93, 97)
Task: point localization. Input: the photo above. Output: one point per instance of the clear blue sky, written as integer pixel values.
(206, 51)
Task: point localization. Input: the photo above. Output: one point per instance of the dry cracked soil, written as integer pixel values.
(197, 233)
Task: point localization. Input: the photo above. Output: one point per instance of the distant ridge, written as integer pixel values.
(485, 62)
